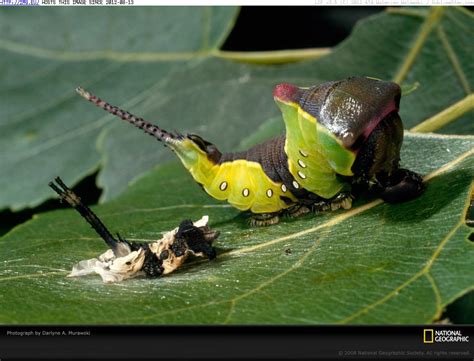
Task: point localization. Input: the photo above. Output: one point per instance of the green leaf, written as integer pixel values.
(376, 263)
(167, 68)
(126, 54)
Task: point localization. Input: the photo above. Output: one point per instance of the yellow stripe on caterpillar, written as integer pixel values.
(242, 183)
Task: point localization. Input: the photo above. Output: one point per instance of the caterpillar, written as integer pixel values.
(127, 259)
(342, 139)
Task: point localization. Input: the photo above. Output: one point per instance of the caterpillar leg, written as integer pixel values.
(342, 200)
(119, 246)
(263, 219)
(297, 211)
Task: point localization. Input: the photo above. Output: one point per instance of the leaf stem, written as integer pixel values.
(446, 116)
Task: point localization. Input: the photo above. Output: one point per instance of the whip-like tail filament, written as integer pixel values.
(147, 127)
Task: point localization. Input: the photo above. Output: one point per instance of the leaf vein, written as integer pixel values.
(419, 42)
(408, 282)
(270, 280)
(437, 294)
(453, 58)
(273, 56)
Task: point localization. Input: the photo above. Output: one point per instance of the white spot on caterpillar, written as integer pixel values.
(296, 184)
(269, 193)
(301, 163)
(303, 154)
(283, 188)
(301, 175)
(223, 186)
(245, 192)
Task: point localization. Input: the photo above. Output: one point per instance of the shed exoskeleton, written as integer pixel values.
(342, 138)
(127, 259)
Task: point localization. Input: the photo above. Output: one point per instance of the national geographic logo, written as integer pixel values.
(442, 336)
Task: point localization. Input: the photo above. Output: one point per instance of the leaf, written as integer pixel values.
(376, 263)
(156, 72)
(45, 127)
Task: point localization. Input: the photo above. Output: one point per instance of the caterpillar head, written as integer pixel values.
(361, 113)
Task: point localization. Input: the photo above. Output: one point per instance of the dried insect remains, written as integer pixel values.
(127, 259)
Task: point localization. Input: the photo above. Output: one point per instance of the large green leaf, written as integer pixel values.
(377, 263)
(45, 127)
(166, 67)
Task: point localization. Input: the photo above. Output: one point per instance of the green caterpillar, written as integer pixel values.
(343, 138)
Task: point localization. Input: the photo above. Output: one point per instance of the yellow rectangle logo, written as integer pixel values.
(428, 335)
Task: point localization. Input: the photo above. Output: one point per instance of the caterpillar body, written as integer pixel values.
(342, 138)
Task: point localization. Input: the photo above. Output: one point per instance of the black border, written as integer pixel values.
(231, 343)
